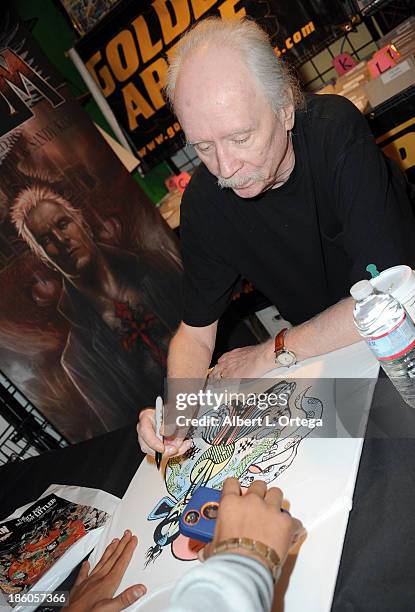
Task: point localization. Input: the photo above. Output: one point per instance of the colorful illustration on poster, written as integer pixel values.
(219, 451)
(89, 270)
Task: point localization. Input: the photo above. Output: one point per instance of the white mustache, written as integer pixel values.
(235, 182)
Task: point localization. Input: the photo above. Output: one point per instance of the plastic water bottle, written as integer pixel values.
(399, 282)
(390, 334)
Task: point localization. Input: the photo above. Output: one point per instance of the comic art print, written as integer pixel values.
(32, 543)
(316, 470)
(226, 448)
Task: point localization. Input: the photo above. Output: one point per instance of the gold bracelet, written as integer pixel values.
(262, 550)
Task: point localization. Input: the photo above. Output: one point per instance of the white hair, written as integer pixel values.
(26, 201)
(278, 83)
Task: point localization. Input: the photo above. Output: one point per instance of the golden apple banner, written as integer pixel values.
(127, 54)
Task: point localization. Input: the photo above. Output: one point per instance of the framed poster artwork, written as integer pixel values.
(85, 14)
(368, 7)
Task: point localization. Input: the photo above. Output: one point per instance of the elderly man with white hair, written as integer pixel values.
(292, 194)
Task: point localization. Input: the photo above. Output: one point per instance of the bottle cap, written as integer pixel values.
(399, 281)
(361, 290)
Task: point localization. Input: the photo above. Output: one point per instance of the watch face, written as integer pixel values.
(286, 358)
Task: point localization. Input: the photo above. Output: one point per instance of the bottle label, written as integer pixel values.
(395, 343)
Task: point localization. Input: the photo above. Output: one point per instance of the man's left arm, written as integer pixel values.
(330, 330)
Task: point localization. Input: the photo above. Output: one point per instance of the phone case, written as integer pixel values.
(198, 519)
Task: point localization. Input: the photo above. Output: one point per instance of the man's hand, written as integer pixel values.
(256, 515)
(246, 362)
(94, 592)
(149, 442)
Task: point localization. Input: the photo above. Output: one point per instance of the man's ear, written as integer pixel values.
(287, 116)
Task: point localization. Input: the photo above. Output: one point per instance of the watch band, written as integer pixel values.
(283, 356)
(267, 553)
(279, 340)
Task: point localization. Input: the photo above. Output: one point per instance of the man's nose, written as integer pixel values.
(228, 164)
(59, 236)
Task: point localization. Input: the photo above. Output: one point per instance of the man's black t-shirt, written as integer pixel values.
(305, 243)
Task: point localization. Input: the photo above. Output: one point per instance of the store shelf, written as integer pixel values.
(24, 432)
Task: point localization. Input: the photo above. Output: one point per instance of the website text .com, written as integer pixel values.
(295, 38)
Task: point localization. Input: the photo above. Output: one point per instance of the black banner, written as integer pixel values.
(127, 54)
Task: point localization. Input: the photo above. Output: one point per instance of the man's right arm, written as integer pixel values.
(190, 351)
(190, 354)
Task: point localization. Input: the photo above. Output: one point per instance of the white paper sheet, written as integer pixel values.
(318, 483)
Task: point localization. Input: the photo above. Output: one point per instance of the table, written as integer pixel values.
(377, 570)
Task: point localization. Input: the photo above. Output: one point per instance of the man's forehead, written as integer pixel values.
(206, 135)
(216, 103)
(219, 121)
(45, 213)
